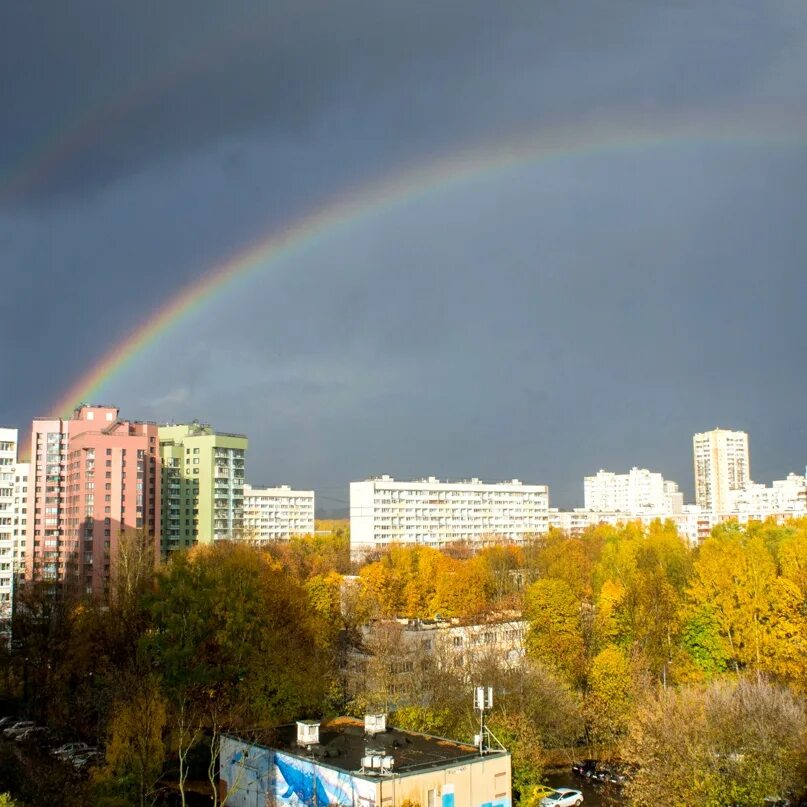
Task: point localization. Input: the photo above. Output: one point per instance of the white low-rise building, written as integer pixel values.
(429, 512)
(278, 513)
(392, 654)
(783, 496)
(693, 523)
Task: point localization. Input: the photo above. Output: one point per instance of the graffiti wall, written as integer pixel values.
(260, 777)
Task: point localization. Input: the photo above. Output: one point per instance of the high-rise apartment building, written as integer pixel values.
(203, 485)
(93, 478)
(20, 516)
(384, 511)
(722, 465)
(8, 466)
(636, 492)
(277, 514)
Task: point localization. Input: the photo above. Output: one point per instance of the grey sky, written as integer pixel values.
(542, 321)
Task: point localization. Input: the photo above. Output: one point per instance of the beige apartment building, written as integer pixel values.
(722, 466)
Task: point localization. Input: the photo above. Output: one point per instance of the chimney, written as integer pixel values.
(375, 724)
(307, 733)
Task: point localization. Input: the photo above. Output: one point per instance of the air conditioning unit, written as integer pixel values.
(375, 724)
(307, 732)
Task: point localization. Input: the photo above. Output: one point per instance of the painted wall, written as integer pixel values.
(257, 776)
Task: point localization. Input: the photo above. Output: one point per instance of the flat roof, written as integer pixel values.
(343, 743)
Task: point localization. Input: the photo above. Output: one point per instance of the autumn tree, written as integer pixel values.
(609, 700)
(135, 750)
(555, 637)
(757, 613)
(732, 742)
(234, 644)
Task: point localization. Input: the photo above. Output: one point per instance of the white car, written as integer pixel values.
(18, 728)
(563, 797)
(69, 749)
(87, 759)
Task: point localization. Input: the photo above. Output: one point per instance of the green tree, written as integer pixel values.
(233, 640)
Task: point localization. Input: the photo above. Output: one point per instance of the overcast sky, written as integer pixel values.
(539, 321)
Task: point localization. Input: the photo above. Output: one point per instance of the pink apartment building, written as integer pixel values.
(93, 477)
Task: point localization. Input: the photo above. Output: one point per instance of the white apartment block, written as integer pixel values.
(277, 514)
(693, 523)
(722, 466)
(20, 516)
(637, 492)
(784, 497)
(384, 511)
(8, 469)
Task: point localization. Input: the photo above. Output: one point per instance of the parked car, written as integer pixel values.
(8, 721)
(34, 734)
(585, 768)
(87, 759)
(606, 774)
(68, 749)
(18, 728)
(563, 797)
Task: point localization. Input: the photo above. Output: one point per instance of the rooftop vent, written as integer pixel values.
(307, 732)
(376, 762)
(375, 724)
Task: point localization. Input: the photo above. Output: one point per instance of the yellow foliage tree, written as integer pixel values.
(610, 698)
(136, 744)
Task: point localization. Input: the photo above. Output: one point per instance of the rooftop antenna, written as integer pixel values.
(483, 702)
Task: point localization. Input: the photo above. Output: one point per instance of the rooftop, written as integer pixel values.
(343, 743)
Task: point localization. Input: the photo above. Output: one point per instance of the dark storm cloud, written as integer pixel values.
(95, 90)
(595, 316)
(540, 326)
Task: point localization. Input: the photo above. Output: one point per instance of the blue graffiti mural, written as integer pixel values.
(302, 783)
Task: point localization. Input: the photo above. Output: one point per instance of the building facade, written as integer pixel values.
(693, 523)
(722, 466)
(8, 468)
(203, 485)
(393, 655)
(783, 497)
(384, 511)
(343, 763)
(20, 515)
(278, 513)
(638, 491)
(93, 478)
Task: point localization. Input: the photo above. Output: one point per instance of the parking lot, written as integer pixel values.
(594, 795)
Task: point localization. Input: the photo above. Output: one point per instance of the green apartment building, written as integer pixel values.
(202, 485)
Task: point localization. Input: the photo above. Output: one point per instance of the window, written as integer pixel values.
(500, 785)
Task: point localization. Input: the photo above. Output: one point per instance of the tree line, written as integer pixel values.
(689, 662)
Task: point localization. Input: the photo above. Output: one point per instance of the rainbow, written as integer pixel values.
(354, 207)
